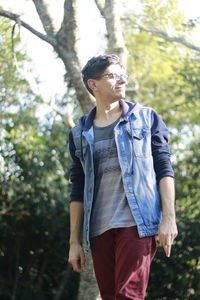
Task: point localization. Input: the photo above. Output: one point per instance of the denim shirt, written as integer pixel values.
(143, 152)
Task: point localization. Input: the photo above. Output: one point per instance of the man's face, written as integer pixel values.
(111, 85)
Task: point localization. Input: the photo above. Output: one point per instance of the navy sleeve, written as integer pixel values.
(77, 176)
(160, 148)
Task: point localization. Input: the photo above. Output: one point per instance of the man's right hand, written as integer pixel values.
(77, 257)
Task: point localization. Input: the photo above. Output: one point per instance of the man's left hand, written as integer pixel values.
(167, 233)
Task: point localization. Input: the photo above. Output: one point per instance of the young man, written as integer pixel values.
(122, 185)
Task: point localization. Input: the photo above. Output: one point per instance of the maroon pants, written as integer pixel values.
(122, 263)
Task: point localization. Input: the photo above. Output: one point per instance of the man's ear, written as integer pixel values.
(92, 84)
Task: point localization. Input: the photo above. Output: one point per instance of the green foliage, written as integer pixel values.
(34, 190)
(13, 86)
(163, 15)
(165, 75)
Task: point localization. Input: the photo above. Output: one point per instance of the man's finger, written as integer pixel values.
(173, 236)
(166, 239)
(75, 265)
(167, 249)
(82, 261)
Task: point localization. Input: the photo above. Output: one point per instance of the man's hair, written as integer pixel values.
(96, 66)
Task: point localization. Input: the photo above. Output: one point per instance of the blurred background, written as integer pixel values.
(43, 46)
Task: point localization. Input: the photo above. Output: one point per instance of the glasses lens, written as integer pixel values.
(125, 77)
(118, 77)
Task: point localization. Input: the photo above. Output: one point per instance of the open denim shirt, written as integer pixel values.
(142, 145)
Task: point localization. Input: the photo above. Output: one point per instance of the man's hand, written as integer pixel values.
(77, 257)
(167, 233)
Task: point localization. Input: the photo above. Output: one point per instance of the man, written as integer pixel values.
(122, 185)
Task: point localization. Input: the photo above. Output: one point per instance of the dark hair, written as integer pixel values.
(96, 66)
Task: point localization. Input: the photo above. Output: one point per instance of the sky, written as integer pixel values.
(46, 66)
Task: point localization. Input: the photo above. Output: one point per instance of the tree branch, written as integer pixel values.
(44, 15)
(16, 18)
(100, 5)
(166, 37)
(163, 34)
(66, 117)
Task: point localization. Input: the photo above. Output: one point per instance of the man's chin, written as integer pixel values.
(122, 95)
(119, 96)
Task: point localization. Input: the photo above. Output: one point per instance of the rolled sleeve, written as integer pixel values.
(160, 148)
(77, 176)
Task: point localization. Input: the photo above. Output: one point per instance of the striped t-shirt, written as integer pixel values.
(110, 206)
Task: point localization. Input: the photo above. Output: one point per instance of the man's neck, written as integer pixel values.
(107, 113)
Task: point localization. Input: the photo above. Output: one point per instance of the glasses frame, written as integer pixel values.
(114, 76)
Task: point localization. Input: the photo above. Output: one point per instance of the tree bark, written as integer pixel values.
(47, 21)
(88, 288)
(110, 10)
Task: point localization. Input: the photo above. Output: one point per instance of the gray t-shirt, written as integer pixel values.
(110, 205)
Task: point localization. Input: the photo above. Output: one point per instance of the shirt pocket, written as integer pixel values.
(141, 141)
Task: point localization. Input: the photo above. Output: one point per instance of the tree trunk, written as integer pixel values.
(88, 288)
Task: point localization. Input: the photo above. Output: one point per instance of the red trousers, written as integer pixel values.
(122, 263)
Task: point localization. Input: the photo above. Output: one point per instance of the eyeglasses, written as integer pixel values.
(116, 77)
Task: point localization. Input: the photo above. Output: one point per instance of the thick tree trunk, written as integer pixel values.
(67, 46)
